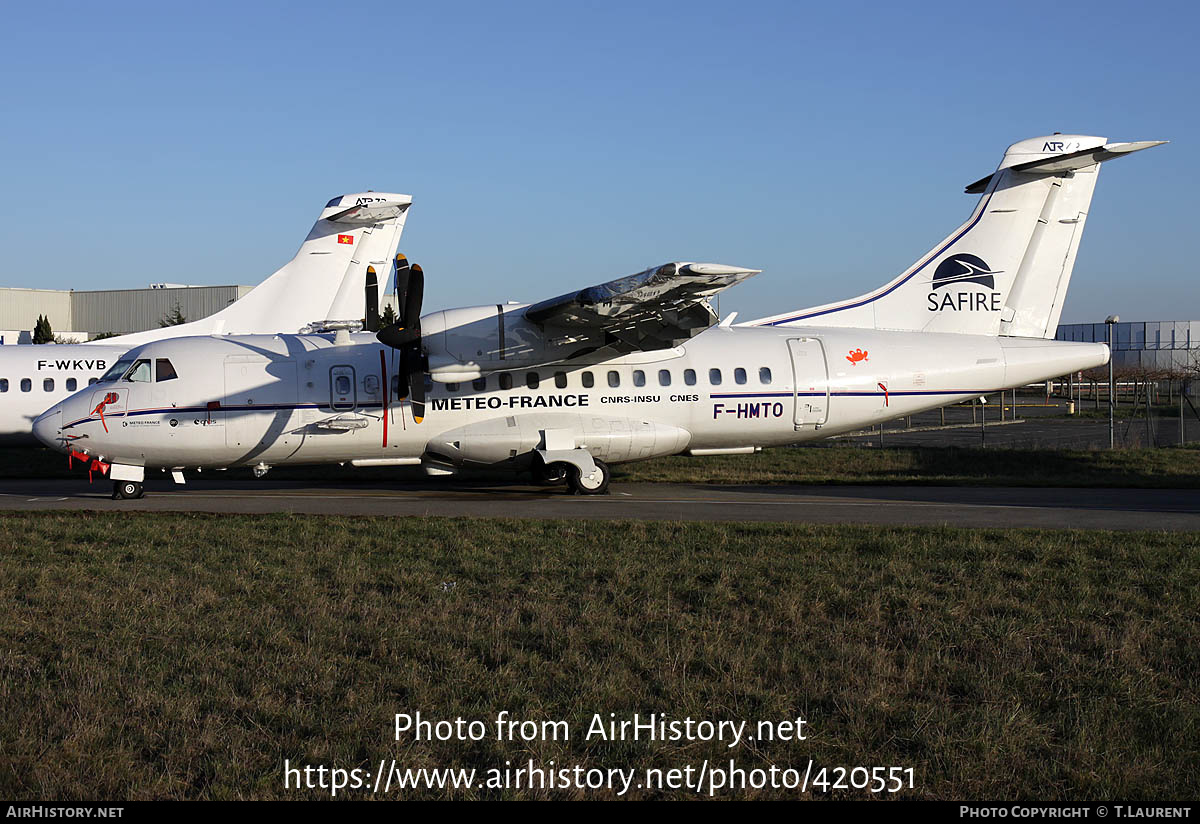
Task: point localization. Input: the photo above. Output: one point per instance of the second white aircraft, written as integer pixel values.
(632, 369)
(325, 280)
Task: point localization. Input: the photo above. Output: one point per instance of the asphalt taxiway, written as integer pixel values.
(1117, 509)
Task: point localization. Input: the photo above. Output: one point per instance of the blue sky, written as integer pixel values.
(554, 145)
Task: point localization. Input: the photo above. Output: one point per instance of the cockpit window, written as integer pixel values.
(140, 372)
(116, 370)
(164, 371)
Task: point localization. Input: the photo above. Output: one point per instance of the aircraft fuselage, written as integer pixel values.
(34, 378)
(297, 399)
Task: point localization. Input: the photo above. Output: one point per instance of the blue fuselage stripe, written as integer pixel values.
(288, 407)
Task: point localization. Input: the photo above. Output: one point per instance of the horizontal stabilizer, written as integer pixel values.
(363, 215)
(1059, 163)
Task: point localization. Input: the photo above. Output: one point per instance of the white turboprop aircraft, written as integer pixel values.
(631, 369)
(326, 279)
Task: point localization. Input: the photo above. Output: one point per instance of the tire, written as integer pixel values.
(555, 474)
(589, 486)
(125, 490)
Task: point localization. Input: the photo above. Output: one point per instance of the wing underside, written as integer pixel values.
(654, 309)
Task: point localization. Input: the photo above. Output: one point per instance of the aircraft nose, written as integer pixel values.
(48, 427)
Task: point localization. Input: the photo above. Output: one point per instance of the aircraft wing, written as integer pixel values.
(654, 309)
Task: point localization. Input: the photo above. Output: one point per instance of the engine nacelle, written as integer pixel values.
(515, 437)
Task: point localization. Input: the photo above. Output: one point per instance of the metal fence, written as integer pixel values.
(1163, 347)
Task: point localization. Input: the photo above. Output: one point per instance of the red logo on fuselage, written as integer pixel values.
(111, 397)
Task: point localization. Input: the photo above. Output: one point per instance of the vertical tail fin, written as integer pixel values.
(324, 281)
(1006, 270)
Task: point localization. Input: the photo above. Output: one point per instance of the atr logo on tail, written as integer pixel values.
(960, 270)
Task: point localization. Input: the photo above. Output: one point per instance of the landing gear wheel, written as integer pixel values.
(128, 489)
(594, 484)
(554, 474)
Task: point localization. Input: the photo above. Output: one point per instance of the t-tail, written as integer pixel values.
(325, 281)
(1006, 270)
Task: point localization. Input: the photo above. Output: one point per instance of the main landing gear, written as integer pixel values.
(554, 474)
(583, 474)
(595, 482)
(128, 489)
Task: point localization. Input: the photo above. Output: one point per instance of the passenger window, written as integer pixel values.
(140, 373)
(639, 377)
(341, 385)
(714, 377)
(479, 384)
(689, 377)
(3, 384)
(614, 379)
(764, 374)
(664, 377)
(164, 371)
(452, 387)
(505, 380)
(71, 384)
(739, 375)
(531, 380)
(48, 385)
(560, 380)
(588, 380)
(26, 384)
(93, 380)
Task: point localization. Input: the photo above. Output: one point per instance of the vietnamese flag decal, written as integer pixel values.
(346, 239)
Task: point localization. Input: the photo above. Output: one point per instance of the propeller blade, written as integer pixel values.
(402, 275)
(416, 391)
(410, 312)
(403, 377)
(371, 318)
(405, 335)
(410, 292)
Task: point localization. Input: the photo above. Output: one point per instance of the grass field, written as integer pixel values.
(1151, 468)
(1146, 468)
(186, 656)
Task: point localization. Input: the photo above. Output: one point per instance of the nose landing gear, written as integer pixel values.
(123, 490)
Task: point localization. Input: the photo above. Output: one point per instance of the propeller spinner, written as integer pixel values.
(405, 334)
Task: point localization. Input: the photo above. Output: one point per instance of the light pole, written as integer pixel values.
(1108, 322)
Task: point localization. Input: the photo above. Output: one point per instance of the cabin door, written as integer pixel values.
(810, 376)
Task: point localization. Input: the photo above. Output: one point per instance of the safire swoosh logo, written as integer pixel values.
(963, 268)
